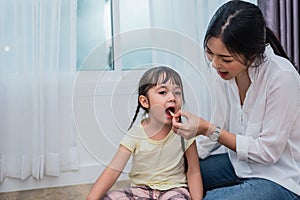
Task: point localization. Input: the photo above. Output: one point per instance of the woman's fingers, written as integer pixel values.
(189, 128)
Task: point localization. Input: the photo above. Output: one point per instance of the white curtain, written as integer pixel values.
(37, 69)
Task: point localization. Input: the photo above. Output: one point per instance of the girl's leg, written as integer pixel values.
(142, 192)
(175, 193)
(252, 189)
(217, 171)
(146, 193)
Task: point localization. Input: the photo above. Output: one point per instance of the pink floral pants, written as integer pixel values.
(146, 193)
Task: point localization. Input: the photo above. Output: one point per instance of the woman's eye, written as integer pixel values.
(227, 61)
(209, 52)
(209, 55)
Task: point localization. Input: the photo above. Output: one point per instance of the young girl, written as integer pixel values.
(158, 164)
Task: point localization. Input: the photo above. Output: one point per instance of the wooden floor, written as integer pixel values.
(77, 192)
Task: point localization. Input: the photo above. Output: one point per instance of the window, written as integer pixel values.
(94, 33)
(96, 45)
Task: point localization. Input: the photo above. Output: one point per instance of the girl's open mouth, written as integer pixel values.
(170, 111)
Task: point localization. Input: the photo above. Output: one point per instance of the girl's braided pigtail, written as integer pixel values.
(135, 115)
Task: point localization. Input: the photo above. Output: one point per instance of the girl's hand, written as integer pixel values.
(192, 127)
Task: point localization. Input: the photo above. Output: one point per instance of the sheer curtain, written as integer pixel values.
(283, 18)
(37, 68)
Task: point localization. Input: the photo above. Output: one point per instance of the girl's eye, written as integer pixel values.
(178, 93)
(162, 92)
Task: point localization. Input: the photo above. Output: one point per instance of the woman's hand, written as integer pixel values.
(192, 126)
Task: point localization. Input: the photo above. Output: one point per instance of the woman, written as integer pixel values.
(260, 124)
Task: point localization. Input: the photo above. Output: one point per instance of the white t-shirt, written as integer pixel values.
(267, 125)
(157, 164)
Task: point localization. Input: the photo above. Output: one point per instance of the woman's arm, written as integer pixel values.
(110, 175)
(193, 172)
(195, 126)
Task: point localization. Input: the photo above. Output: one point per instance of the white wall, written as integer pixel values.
(101, 120)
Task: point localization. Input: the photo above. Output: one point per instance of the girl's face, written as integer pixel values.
(162, 99)
(225, 64)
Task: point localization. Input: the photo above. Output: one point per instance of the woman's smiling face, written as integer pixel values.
(225, 64)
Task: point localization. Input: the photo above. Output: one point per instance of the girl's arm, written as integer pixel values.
(193, 172)
(110, 175)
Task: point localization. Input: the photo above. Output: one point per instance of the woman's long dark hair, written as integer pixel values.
(241, 27)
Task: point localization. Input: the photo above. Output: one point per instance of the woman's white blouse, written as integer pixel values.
(267, 125)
